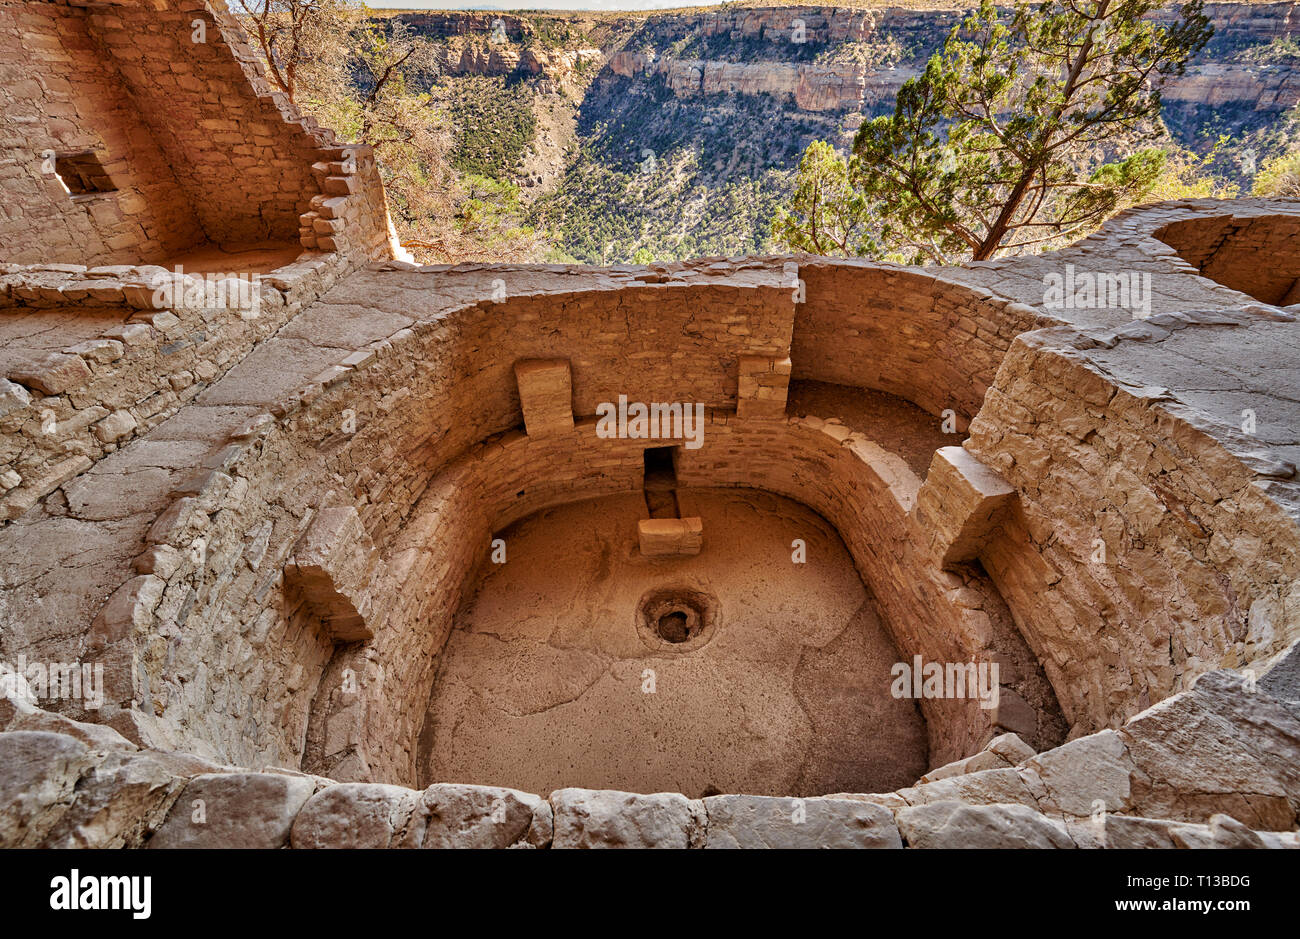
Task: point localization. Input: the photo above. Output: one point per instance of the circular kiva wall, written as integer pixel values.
(342, 531)
(1230, 250)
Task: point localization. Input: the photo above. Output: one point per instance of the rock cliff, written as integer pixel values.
(790, 52)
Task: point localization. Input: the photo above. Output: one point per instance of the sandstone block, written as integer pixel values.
(127, 610)
(131, 334)
(670, 537)
(124, 798)
(116, 426)
(1083, 773)
(235, 810)
(332, 565)
(18, 502)
(1001, 752)
(739, 821)
(38, 776)
(98, 737)
(546, 394)
(985, 787)
(959, 504)
(54, 374)
(13, 397)
(1010, 748)
(606, 818)
(354, 815)
(98, 350)
(1217, 749)
(957, 825)
(764, 387)
(461, 816)
(1121, 832)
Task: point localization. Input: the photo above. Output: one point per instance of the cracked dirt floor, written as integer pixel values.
(541, 682)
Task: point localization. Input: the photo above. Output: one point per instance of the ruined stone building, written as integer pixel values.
(365, 553)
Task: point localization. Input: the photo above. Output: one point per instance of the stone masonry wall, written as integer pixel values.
(199, 147)
(416, 381)
(448, 538)
(406, 419)
(411, 418)
(450, 383)
(244, 168)
(120, 362)
(363, 728)
(63, 94)
(352, 453)
(1143, 552)
(1227, 249)
(924, 338)
(256, 169)
(69, 784)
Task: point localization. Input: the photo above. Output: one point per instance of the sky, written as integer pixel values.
(536, 4)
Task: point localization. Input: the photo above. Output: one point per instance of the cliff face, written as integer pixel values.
(1233, 22)
(1260, 89)
(785, 33)
(816, 25)
(811, 87)
(854, 87)
(503, 59)
(789, 52)
(1236, 24)
(440, 25)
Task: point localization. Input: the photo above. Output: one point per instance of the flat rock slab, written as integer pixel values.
(605, 818)
(235, 810)
(957, 825)
(38, 776)
(354, 815)
(459, 816)
(765, 822)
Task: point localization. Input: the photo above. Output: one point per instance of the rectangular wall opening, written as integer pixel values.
(661, 482)
(82, 174)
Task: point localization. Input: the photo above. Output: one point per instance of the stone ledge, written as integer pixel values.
(960, 504)
(332, 567)
(670, 537)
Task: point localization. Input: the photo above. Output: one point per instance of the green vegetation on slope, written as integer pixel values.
(677, 177)
(493, 123)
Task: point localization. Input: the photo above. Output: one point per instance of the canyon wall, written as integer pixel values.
(837, 87)
(781, 51)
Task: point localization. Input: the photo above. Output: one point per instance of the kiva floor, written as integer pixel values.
(547, 682)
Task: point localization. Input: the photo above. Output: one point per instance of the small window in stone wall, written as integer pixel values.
(82, 173)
